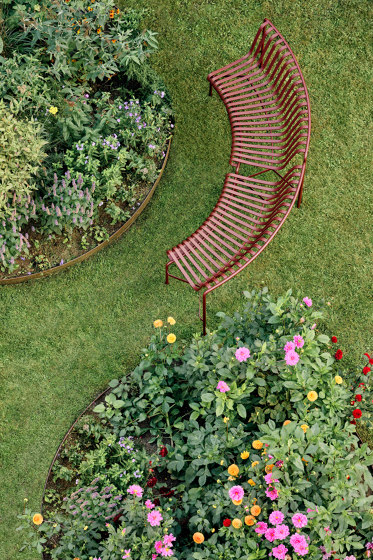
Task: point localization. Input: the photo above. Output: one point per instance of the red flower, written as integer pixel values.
(152, 482)
(156, 502)
(227, 522)
(338, 355)
(366, 370)
(357, 413)
(371, 360)
(361, 384)
(334, 339)
(163, 452)
(353, 422)
(358, 398)
(352, 403)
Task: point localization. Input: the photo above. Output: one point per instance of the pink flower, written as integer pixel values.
(155, 518)
(236, 493)
(291, 358)
(279, 551)
(135, 490)
(301, 549)
(352, 557)
(158, 546)
(261, 528)
(299, 520)
(168, 539)
(268, 478)
(289, 346)
(307, 301)
(272, 493)
(127, 553)
(154, 556)
(270, 534)
(298, 341)
(296, 540)
(281, 532)
(276, 517)
(149, 504)
(242, 354)
(223, 387)
(166, 551)
(313, 327)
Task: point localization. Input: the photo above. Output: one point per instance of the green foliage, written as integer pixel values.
(20, 156)
(90, 42)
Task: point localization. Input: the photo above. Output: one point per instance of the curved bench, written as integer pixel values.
(269, 112)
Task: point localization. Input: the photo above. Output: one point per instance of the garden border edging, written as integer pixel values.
(91, 252)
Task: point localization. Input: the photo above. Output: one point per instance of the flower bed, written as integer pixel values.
(252, 441)
(86, 123)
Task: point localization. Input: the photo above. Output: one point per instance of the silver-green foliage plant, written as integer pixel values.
(21, 153)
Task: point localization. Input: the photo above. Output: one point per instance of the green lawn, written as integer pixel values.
(65, 337)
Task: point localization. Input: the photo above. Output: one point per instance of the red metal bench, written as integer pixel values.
(269, 112)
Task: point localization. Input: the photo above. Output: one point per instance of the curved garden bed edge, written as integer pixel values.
(111, 239)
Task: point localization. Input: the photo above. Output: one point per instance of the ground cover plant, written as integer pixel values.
(63, 339)
(85, 122)
(255, 423)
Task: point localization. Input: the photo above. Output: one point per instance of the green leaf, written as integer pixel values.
(1, 45)
(99, 408)
(260, 381)
(219, 407)
(241, 410)
(207, 397)
(323, 338)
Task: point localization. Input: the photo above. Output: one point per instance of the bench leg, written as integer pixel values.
(167, 278)
(300, 194)
(210, 92)
(204, 313)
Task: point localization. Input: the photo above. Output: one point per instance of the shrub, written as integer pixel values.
(88, 42)
(20, 156)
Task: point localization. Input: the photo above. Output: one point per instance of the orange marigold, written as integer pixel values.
(237, 523)
(250, 520)
(233, 470)
(198, 538)
(158, 323)
(38, 519)
(268, 468)
(257, 444)
(255, 511)
(237, 502)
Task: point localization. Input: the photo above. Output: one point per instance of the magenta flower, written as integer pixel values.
(289, 346)
(291, 358)
(242, 354)
(155, 518)
(166, 551)
(223, 387)
(280, 552)
(149, 504)
(270, 534)
(296, 540)
(158, 546)
(313, 327)
(307, 301)
(135, 490)
(168, 539)
(236, 493)
(298, 341)
(272, 493)
(281, 532)
(276, 517)
(261, 528)
(269, 480)
(299, 520)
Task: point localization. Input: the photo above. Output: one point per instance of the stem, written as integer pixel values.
(169, 426)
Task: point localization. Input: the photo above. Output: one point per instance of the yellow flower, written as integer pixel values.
(212, 530)
(85, 528)
(255, 510)
(225, 419)
(54, 524)
(237, 502)
(222, 462)
(287, 422)
(231, 478)
(171, 320)
(257, 444)
(171, 338)
(250, 520)
(304, 427)
(312, 396)
(38, 519)
(198, 538)
(338, 379)
(98, 30)
(251, 482)
(245, 455)
(53, 110)
(218, 481)
(158, 323)
(214, 506)
(78, 32)
(254, 464)
(237, 523)
(233, 470)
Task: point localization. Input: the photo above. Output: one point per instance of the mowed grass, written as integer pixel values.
(64, 338)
